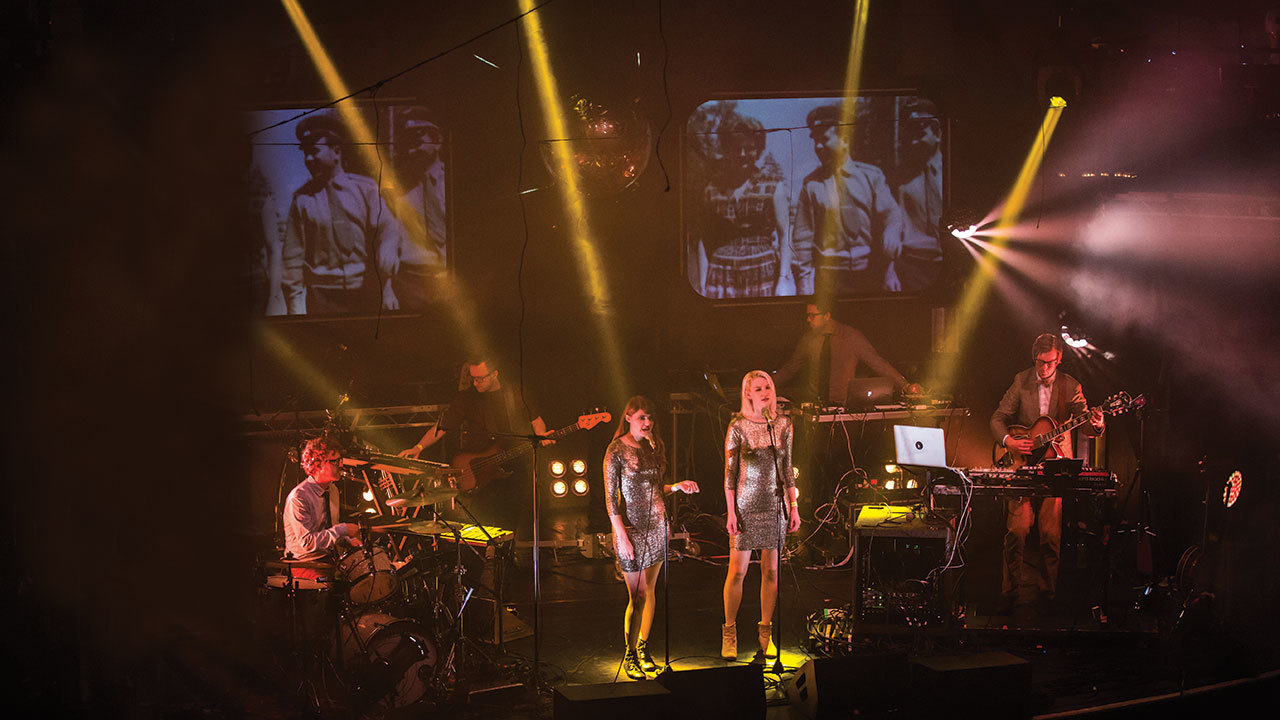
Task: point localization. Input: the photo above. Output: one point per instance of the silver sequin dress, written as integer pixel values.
(749, 470)
(633, 489)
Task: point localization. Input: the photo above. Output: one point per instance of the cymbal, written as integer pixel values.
(417, 527)
(285, 564)
(418, 498)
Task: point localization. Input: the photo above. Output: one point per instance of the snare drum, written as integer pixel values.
(369, 574)
(390, 660)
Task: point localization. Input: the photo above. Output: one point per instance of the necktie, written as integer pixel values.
(824, 369)
(327, 501)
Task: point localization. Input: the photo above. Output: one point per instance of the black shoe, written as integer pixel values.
(642, 653)
(1005, 606)
(631, 666)
(758, 658)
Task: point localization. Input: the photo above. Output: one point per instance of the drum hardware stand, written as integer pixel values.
(458, 623)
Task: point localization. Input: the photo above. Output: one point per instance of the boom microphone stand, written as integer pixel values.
(780, 490)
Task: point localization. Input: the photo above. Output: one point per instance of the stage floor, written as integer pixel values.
(1076, 661)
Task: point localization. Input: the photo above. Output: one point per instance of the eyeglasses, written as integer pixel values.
(482, 378)
(812, 315)
(332, 461)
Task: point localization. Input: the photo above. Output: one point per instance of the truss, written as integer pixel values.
(313, 421)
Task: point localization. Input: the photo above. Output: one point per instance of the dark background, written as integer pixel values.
(129, 533)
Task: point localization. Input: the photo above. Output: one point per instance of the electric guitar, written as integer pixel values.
(475, 470)
(1045, 435)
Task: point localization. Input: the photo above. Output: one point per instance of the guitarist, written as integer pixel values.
(1040, 390)
(482, 407)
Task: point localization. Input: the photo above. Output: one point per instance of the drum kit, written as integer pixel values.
(381, 628)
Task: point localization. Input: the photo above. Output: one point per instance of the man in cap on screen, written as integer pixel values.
(342, 243)
(848, 227)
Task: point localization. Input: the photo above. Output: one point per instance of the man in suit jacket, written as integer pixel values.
(1038, 391)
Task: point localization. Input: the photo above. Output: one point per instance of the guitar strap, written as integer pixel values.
(514, 419)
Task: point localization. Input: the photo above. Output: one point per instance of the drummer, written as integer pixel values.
(309, 531)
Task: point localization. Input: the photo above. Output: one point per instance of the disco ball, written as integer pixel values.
(607, 148)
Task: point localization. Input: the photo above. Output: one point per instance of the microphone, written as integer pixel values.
(767, 414)
(648, 444)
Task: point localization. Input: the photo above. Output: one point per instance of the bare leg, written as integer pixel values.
(739, 560)
(637, 599)
(768, 584)
(650, 602)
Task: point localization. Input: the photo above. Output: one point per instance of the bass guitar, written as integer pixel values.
(1046, 435)
(475, 470)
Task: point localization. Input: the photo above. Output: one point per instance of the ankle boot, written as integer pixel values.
(631, 665)
(765, 631)
(729, 641)
(642, 654)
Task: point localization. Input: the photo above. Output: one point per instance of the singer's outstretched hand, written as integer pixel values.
(688, 487)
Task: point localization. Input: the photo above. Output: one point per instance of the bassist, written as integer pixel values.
(484, 413)
(1039, 391)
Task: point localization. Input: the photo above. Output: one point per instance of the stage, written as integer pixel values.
(1079, 655)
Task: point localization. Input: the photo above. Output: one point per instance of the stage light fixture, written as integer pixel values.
(1231, 491)
(912, 484)
(367, 495)
(1074, 337)
(559, 488)
(962, 223)
(579, 467)
(891, 468)
(556, 468)
(890, 484)
(580, 487)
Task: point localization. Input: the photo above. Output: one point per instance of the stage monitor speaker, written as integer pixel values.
(736, 691)
(867, 685)
(639, 700)
(992, 684)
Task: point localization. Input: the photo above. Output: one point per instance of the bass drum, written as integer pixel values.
(389, 661)
(370, 575)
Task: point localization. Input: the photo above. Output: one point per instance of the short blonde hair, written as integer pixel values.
(746, 385)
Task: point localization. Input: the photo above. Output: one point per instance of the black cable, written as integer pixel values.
(666, 95)
(524, 222)
(377, 150)
(406, 70)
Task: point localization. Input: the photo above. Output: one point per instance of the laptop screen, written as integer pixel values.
(920, 446)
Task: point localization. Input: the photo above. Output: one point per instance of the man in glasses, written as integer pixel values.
(310, 533)
(487, 416)
(1038, 391)
(830, 352)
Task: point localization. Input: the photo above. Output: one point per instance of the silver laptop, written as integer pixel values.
(920, 446)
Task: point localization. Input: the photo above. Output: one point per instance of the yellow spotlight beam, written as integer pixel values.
(823, 291)
(969, 309)
(590, 269)
(457, 299)
(310, 375)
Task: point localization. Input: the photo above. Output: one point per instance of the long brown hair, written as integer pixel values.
(640, 402)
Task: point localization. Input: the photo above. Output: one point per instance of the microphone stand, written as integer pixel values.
(666, 587)
(780, 490)
(535, 442)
